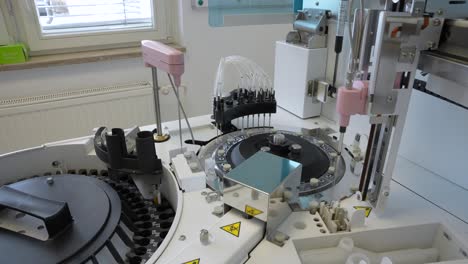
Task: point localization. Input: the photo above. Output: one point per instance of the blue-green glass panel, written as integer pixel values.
(263, 171)
(251, 12)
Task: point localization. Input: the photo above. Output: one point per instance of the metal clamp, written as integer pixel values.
(319, 90)
(310, 28)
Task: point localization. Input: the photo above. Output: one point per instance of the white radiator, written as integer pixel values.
(31, 121)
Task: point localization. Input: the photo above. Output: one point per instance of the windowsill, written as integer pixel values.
(78, 58)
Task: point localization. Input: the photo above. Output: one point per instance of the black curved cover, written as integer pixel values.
(55, 214)
(96, 211)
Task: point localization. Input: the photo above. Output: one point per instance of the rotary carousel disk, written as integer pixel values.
(319, 159)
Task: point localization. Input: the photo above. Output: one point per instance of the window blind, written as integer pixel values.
(74, 16)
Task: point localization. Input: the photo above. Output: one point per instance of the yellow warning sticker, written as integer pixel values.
(195, 261)
(233, 229)
(367, 208)
(252, 211)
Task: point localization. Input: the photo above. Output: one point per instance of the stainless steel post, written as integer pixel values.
(157, 106)
(160, 137)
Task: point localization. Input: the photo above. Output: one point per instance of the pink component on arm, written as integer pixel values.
(163, 57)
(352, 101)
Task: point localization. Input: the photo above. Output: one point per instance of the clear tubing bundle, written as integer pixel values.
(251, 75)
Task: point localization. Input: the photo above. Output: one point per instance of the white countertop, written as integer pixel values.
(422, 204)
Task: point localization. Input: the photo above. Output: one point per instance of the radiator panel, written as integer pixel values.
(31, 121)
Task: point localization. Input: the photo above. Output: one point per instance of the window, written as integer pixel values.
(51, 25)
(73, 16)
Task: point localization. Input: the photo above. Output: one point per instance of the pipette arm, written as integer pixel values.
(164, 58)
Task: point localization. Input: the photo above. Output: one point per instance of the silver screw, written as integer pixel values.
(221, 152)
(386, 194)
(50, 180)
(440, 12)
(218, 210)
(227, 167)
(296, 148)
(204, 236)
(430, 45)
(417, 10)
(265, 149)
(279, 139)
(182, 238)
(204, 193)
(314, 182)
(436, 22)
(389, 99)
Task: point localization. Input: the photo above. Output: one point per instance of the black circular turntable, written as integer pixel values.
(70, 218)
(314, 160)
(322, 166)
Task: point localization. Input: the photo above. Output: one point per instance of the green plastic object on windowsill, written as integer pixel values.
(14, 53)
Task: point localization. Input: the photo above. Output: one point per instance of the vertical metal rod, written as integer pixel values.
(264, 121)
(335, 71)
(157, 106)
(242, 124)
(369, 160)
(218, 101)
(248, 122)
(269, 120)
(180, 120)
(340, 143)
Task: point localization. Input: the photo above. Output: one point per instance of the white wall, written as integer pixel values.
(205, 46)
(3, 32)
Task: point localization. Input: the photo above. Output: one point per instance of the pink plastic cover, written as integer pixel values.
(165, 58)
(352, 101)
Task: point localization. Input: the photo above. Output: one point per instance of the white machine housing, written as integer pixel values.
(295, 67)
